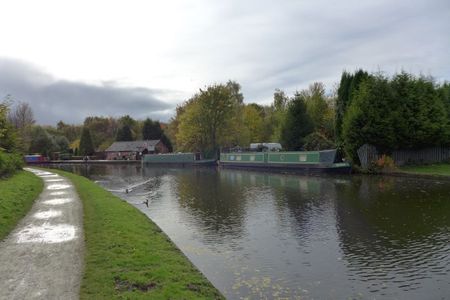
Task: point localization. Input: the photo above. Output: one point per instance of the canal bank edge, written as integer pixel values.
(17, 196)
(128, 256)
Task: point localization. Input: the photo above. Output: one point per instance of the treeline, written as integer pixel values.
(96, 134)
(399, 112)
(217, 117)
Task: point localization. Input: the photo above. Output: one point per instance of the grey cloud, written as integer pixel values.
(53, 100)
(268, 44)
(263, 45)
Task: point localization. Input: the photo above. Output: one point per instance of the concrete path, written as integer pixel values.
(43, 257)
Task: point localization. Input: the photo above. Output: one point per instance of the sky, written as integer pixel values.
(70, 60)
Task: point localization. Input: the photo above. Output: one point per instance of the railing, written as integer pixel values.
(367, 154)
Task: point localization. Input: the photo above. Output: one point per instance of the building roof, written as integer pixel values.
(133, 146)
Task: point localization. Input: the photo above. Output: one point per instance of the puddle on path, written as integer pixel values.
(51, 213)
(58, 193)
(58, 201)
(46, 233)
(58, 186)
(54, 180)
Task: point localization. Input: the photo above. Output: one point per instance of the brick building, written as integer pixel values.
(135, 149)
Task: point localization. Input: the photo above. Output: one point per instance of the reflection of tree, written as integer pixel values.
(303, 201)
(393, 226)
(213, 201)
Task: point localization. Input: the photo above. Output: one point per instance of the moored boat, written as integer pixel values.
(308, 162)
(178, 159)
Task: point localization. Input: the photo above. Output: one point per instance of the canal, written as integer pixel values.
(270, 236)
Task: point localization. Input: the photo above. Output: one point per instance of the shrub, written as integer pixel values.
(9, 163)
(384, 164)
(317, 141)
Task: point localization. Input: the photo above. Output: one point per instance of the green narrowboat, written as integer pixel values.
(309, 162)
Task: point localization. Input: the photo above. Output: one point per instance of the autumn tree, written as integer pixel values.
(103, 130)
(253, 123)
(279, 109)
(71, 132)
(206, 120)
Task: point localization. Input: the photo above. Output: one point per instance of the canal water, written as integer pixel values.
(269, 236)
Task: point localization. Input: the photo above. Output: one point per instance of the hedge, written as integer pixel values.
(9, 163)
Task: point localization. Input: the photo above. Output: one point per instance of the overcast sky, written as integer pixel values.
(142, 58)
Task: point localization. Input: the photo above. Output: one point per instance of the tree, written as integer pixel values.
(86, 144)
(21, 117)
(370, 118)
(151, 130)
(42, 142)
(253, 123)
(320, 109)
(206, 121)
(62, 143)
(166, 141)
(278, 114)
(235, 91)
(103, 130)
(71, 132)
(317, 141)
(124, 133)
(7, 133)
(297, 125)
(421, 117)
(348, 88)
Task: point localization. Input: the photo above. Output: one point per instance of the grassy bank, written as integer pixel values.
(128, 257)
(17, 194)
(437, 169)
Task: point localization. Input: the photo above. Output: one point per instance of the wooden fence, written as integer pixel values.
(368, 153)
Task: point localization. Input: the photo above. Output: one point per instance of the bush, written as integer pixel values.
(9, 163)
(384, 164)
(317, 141)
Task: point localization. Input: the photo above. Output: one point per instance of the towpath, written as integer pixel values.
(43, 257)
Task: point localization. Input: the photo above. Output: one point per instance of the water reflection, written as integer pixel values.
(270, 236)
(395, 234)
(213, 202)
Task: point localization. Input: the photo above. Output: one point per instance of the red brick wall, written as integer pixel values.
(161, 148)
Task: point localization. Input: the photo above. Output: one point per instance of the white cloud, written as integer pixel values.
(179, 46)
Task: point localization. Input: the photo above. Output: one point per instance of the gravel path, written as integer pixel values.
(43, 257)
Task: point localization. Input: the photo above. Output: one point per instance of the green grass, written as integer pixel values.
(128, 257)
(17, 194)
(438, 169)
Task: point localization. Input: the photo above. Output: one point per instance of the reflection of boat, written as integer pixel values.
(300, 161)
(178, 159)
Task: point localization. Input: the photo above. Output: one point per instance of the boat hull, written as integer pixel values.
(341, 168)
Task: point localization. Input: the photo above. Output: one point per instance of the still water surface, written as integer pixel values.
(270, 236)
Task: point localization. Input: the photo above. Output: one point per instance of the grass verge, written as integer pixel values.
(127, 256)
(17, 194)
(437, 169)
